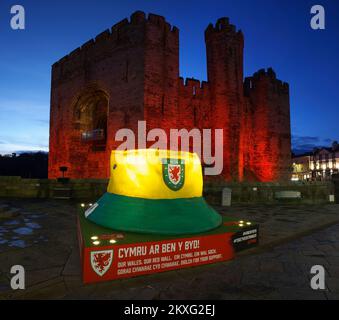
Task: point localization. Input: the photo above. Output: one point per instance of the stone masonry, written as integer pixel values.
(131, 72)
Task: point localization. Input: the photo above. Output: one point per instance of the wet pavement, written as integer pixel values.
(21, 231)
(41, 236)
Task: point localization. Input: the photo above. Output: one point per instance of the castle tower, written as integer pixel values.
(270, 133)
(161, 69)
(129, 72)
(224, 48)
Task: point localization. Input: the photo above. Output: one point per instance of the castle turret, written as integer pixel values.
(269, 148)
(224, 47)
(161, 69)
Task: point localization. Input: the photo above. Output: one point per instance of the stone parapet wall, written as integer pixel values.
(311, 193)
(91, 189)
(15, 187)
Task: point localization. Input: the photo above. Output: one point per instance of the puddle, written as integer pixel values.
(18, 243)
(23, 231)
(13, 231)
(34, 216)
(33, 225)
(4, 287)
(11, 223)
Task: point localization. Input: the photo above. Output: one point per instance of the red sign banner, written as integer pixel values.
(129, 260)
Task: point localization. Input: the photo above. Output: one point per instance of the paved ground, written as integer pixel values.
(41, 236)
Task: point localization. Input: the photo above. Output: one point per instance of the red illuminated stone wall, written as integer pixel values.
(268, 126)
(131, 72)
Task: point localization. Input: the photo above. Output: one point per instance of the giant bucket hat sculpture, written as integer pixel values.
(154, 191)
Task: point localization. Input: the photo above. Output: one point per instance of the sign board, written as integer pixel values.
(245, 238)
(108, 255)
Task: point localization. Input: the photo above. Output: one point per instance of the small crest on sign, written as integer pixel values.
(101, 261)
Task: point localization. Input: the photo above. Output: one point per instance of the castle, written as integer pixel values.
(131, 72)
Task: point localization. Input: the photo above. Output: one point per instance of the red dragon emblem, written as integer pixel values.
(101, 261)
(174, 173)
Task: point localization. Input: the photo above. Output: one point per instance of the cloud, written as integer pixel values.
(299, 140)
(303, 144)
(24, 125)
(42, 121)
(15, 148)
(11, 144)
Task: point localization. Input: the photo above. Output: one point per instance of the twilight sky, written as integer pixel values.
(277, 34)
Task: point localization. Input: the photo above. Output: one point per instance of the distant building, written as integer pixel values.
(302, 167)
(319, 165)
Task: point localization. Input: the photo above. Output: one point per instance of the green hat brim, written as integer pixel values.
(160, 216)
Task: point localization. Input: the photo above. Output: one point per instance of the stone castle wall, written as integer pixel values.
(130, 72)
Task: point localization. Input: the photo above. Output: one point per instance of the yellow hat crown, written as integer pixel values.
(155, 174)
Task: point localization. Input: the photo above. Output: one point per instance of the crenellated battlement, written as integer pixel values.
(265, 73)
(119, 34)
(193, 87)
(264, 76)
(221, 27)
